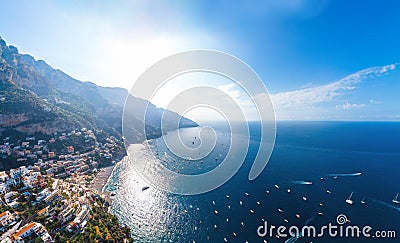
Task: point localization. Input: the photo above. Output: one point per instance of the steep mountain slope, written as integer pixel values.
(79, 103)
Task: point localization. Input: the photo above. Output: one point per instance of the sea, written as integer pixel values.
(314, 168)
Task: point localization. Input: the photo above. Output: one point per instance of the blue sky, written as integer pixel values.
(295, 46)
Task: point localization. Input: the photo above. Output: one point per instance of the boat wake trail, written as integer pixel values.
(346, 174)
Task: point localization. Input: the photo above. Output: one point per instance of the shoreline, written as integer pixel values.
(101, 180)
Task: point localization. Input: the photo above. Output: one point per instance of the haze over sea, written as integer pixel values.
(359, 157)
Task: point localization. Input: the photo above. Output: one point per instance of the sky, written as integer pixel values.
(305, 51)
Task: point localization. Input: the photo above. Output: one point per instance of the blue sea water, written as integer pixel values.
(359, 157)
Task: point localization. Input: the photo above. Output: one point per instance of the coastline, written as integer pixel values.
(101, 180)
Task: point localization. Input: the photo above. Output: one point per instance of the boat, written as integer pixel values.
(280, 210)
(335, 177)
(363, 200)
(213, 202)
(247, 194)
(251, 211)
(349, 200)
(145, 188)
(258, 203)
(288, 190)
(329, 192)
(216, 212)
(113, 194)
(320, 214)
(395, 199)
(241, 203)
(298, 216)
(227, 196)
(267, 192)
(304, 198)
(276, 186)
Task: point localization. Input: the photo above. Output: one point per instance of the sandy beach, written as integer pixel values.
(101, 180)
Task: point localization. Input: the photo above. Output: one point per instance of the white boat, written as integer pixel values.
(304, 198)
(329, 192)
(363, 200)
(216, 212)
(298, 216)
(349, 200)
(320, 214)
(276, 186)
(247, 194)
(252, 211)
(280, 210)
(288, 190)
(396, 199)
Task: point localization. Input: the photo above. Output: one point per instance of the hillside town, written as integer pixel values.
(51, 198)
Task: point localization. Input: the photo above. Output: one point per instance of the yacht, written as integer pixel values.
(304, 198)
(276, 186)
(396, 199)
(349, 200)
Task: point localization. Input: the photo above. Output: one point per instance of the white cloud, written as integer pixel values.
(375, 102)
(306, 102)
(348, 106)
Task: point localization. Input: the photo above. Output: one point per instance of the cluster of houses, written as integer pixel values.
(27, 232)
(33, 150)
(66, 201)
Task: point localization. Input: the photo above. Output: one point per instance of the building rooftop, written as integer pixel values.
(23, 229)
